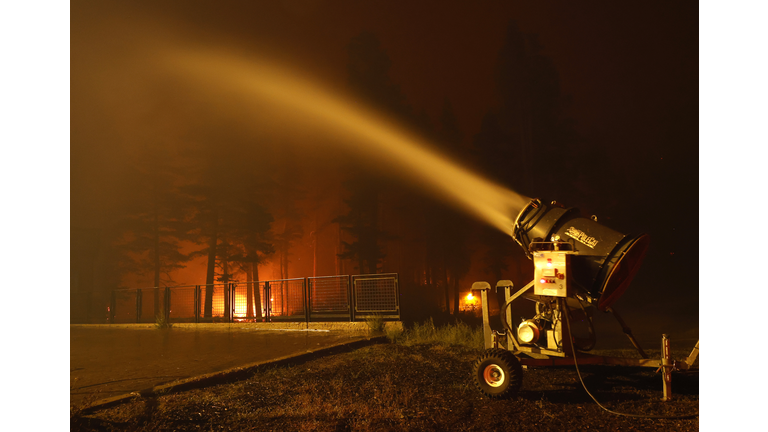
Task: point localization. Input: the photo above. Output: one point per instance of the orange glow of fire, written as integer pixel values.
(241, 306)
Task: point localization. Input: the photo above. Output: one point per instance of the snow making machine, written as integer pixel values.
(579, 266)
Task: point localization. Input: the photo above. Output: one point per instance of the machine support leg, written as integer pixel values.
(487, 337)
(695, 353)
(627, 331)
(510, 343)
(666, 368)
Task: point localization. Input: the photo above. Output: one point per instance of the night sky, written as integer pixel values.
(631, 74)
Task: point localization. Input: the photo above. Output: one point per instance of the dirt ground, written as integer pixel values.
(423, 387)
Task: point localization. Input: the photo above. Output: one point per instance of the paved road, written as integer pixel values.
(108, 362)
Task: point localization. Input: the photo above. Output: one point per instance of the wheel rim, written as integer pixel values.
(493, 375)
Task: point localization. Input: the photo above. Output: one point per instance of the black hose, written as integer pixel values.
(578, 372)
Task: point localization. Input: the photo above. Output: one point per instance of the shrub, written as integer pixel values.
(375, 323)
(161, 322)
(457, 334)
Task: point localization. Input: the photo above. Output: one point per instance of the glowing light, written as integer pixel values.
(525, 334)
(528, 332)
(470, 298)
(241, 305)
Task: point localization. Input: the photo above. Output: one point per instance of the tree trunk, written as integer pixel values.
(156, 253)
(456, 295)
(224, 255)
(285, 262)
(249, 292)
(314, 254)
(211, 270)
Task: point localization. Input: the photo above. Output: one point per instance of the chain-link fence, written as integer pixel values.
(214, 303)
(249, 304)
(182, 303)
(152, 304)
(125, 306)
(330, 298)
(287, 299)
(376, 295)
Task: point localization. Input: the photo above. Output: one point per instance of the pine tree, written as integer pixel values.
(368, 76)
(154, 222)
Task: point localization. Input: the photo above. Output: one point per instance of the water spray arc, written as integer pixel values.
(386, 142)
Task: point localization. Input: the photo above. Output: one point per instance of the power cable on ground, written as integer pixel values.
(578, 372)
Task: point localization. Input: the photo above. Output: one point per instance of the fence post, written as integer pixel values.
(305, 282)
(267, 302)
(139, 294)
(112, 303)
(167, 304)
(225, 288)
(397, 296)
(232, 300)
(351, 297)
(258, 314)
(196, 303)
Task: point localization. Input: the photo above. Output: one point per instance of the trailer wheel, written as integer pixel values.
(498, 374)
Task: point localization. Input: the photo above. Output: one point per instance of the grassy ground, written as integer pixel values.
(419, 382)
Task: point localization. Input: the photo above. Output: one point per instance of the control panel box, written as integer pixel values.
(551, 273)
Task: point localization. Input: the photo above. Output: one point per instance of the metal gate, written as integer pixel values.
(329, 298)
(376, 294)
(248, 302)
(287, 299)
(182, 303)
(213, 303)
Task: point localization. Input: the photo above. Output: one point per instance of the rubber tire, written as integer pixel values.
(509, 365)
